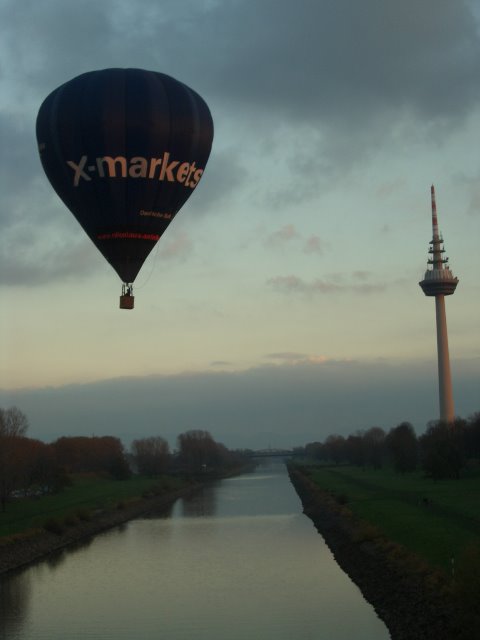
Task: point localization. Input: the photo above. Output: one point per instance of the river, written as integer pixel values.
(236, 561)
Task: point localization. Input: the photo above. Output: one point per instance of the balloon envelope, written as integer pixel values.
(124, 149)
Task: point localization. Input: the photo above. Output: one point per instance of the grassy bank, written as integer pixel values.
(87, 495)
(435, 520)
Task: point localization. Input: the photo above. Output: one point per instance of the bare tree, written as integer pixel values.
(374, 442)
(95, 454)
(442, 449)
(335, 448)
(151, 455)
(13, 426)
(13, 422)
(198, 451)
(402, 445)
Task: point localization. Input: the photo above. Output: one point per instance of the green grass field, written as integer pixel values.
(436, 520)
(87, 494)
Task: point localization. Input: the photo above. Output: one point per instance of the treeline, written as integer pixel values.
(30, 467)
(197, 453)
(442, 451)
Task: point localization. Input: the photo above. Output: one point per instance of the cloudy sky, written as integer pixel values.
(282, 304)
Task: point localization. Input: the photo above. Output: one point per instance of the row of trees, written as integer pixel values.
(32, 467)
(197, 453)
(442, 451)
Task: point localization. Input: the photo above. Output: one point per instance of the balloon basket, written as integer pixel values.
(127, 301)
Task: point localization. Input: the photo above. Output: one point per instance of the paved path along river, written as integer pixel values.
(236, 561)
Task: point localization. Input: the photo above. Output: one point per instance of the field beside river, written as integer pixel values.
(436, 520)
(395, 537)
(88, 494)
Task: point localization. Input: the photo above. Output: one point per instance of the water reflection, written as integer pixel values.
(237, 560)
(14, 599)
(161, 512)
(57, 558)
(198, 504)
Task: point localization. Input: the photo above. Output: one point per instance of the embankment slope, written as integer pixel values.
(415, 603)
(37, 545)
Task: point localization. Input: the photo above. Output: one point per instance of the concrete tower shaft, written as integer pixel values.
(440, 282)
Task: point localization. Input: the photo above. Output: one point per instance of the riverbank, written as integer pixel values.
(413, 600)
(32, 546)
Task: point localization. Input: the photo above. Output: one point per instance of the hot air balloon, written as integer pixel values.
(124, 149)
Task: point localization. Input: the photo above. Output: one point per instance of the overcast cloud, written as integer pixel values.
(303, 400)
(322, 86)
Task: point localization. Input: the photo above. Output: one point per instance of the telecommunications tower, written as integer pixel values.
(440, 282)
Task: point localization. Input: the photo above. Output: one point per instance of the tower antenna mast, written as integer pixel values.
(440, 282)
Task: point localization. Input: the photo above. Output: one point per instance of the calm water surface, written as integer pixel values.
(238, 561)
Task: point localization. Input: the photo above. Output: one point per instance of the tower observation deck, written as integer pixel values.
(440, 282)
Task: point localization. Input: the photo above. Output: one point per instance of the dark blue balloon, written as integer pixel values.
(124, 149)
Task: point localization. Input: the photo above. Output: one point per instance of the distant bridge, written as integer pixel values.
(272, 453)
